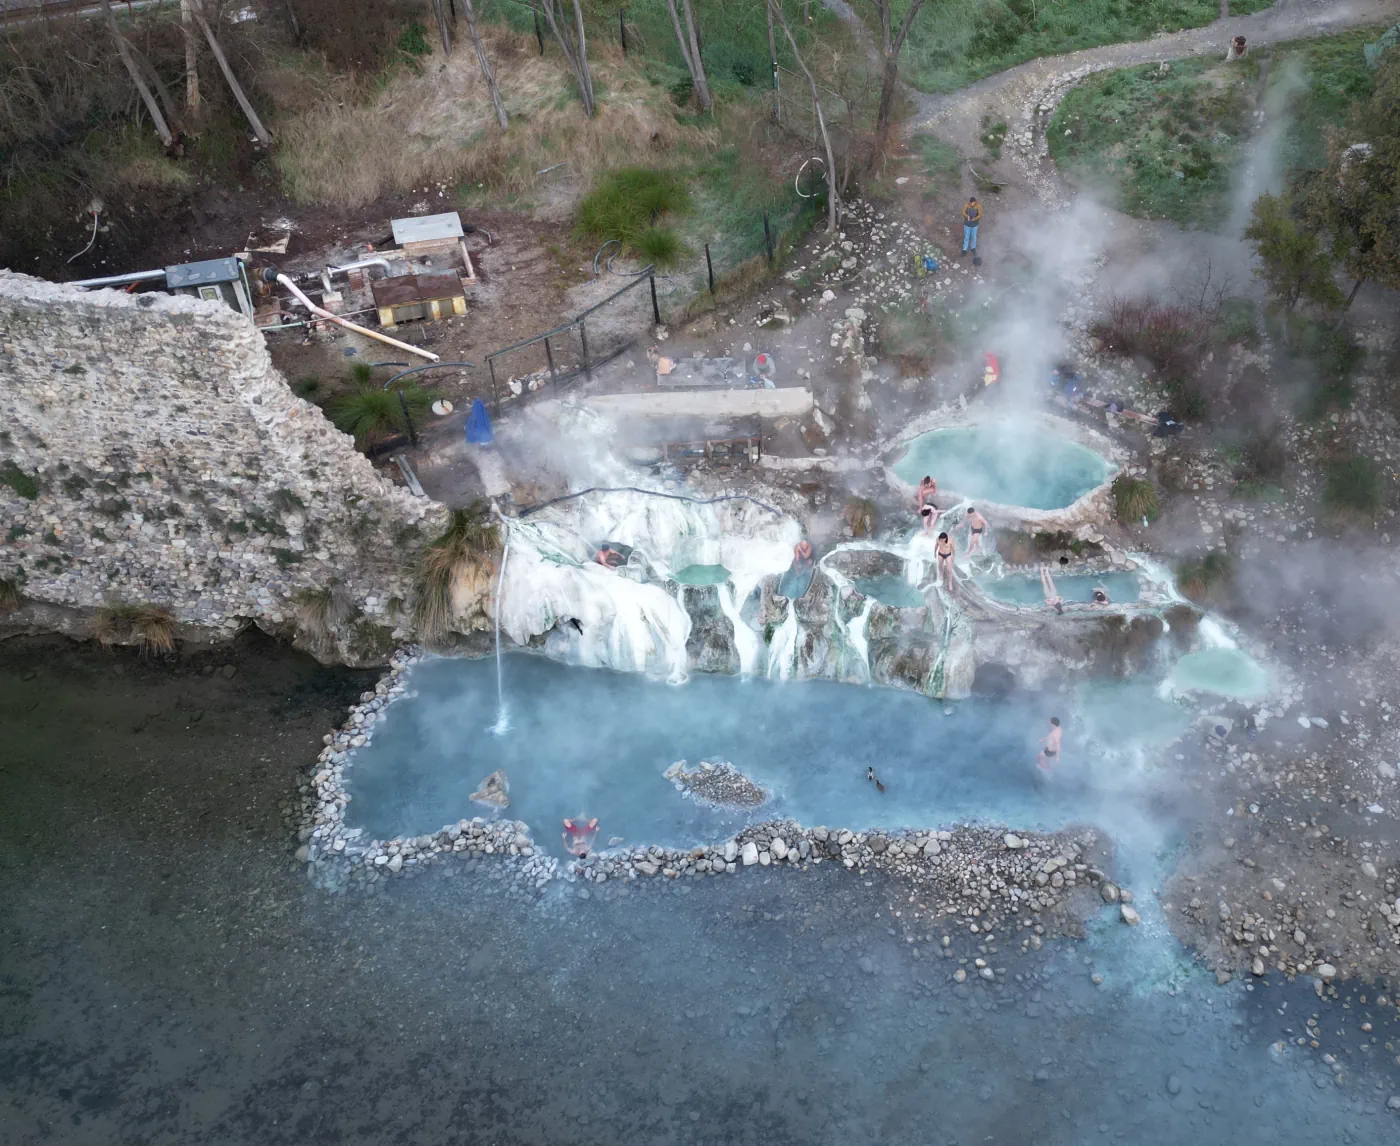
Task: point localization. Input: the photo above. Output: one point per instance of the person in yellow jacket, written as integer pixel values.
(972, 216)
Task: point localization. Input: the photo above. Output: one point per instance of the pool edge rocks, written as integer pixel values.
(1083, 514)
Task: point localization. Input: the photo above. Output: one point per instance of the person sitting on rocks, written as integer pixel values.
(976, 530)
(802, 556)
(579, 836)
(1047, 586)
(928, 490)
(609, 558)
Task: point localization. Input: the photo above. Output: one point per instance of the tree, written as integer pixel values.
(1355, 200)
(833, 199)
(891, 43)
(137, 77)
(1293, 262)
(444, 27)
(264, 137)
(574, 45)
(191, 55)
(690, 52)
(487, 73)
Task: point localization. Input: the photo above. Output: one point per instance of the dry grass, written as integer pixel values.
(319, 613)
(9, 595)
(351, 146)
(455, 567)
(150, 627)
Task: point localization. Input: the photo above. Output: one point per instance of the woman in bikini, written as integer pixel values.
(1049, 746)
(944, 551)
(977, 528)
(929, 516)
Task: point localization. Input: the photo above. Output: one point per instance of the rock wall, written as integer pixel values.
(151, 454)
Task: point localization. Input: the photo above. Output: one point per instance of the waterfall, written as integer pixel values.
(502, 725)
(1213, 634)
(857, 633)
(782, 653)
(733, 594)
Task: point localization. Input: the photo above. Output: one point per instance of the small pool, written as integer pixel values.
(1021, 467)
(1024, 588)
(702, 575)
(1223, 671)
(890, 590)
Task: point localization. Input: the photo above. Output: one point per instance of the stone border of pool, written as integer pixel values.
(1087, 511)
(982, 874)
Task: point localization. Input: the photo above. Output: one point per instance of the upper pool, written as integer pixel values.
(1021, 467)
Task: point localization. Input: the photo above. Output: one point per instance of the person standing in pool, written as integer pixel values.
(1049, 746)
(944, 552)
(976, 530)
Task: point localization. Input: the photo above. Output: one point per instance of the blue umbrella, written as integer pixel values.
(479, 425)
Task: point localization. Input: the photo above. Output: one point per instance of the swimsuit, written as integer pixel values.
(976, 529)
(1048, 752)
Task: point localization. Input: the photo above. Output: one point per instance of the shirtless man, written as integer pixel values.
(1049, 746)
(928, 490)
(944, 552)
(578, 838)
(977, 529)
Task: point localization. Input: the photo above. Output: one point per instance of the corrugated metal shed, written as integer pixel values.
(202, 274)
(445, 228)
(409, 297)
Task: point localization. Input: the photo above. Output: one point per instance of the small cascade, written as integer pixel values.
(502, 725)
(1213, 635)
(782, 653)
(858, 636)
(748, 644)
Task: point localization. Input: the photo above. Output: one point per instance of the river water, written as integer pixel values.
(167, 975)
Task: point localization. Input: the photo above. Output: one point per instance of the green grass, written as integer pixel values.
(1165, 142)
(1354, 486)
(661, 247)
(1336, 79)
(993, 135)
(941, 160)
(19, 481)
(371, 414)
(630, 201)
(954, 42)
(1134, 499)
(1324, 362)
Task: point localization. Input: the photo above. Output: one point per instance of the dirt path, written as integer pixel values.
(1025, 97)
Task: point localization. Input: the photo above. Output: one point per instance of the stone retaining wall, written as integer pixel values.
(151, 454)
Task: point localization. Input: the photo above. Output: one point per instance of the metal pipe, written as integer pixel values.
(357, 266)
(120, 280)
(320, 312)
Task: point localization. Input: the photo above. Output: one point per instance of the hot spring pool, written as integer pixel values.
(1031, 468)
(1024, 589)
(1223, 671)
(701, 575)
(890, 590)
(594, 742)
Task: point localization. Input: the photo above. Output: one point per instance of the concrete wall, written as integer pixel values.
(175, 467)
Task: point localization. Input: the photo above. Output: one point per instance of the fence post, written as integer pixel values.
(710, 268)
(777, 96)
(549, 354)
(408, 419)
(655, 308)
(768, 237)
(583, 337)
(622, 28)
(495, 389)
(539, 32)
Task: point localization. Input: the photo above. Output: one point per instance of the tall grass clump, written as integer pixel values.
(1354, 486)
(9, 594)
(1134, 499)
(150, 627)
(466, 546)
(319, 612)
(371, 414)
(1206, 580)
(629, 204)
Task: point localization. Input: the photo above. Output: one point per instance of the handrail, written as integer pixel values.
(649, 493)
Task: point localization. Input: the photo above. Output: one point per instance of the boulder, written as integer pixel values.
(494, 791)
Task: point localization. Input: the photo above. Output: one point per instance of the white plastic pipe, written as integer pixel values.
(319, 312)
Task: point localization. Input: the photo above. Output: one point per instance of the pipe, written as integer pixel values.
(357, 266)
(120, 280)
(335, 318)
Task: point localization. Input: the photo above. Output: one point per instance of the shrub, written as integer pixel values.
(1134, 499)
(629, 201)
(362, 373)
(1354, 485)
(9, 594)
(661, 247)
(1206, 580)
(471, 537)
(150, 627)
(1171, 337)
(19, 481)
(413, 40)
(372, 414)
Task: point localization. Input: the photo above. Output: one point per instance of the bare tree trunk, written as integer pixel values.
(690, 52)
(124, 50)
(574, 46)
(890, 47)
(157, 85)
(833, 198)
(444, 28)
(293, 21)
(253, 121)
(773, 59)
(191, 56)
(486, 71)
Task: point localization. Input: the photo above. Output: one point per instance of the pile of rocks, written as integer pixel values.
(716, 783)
